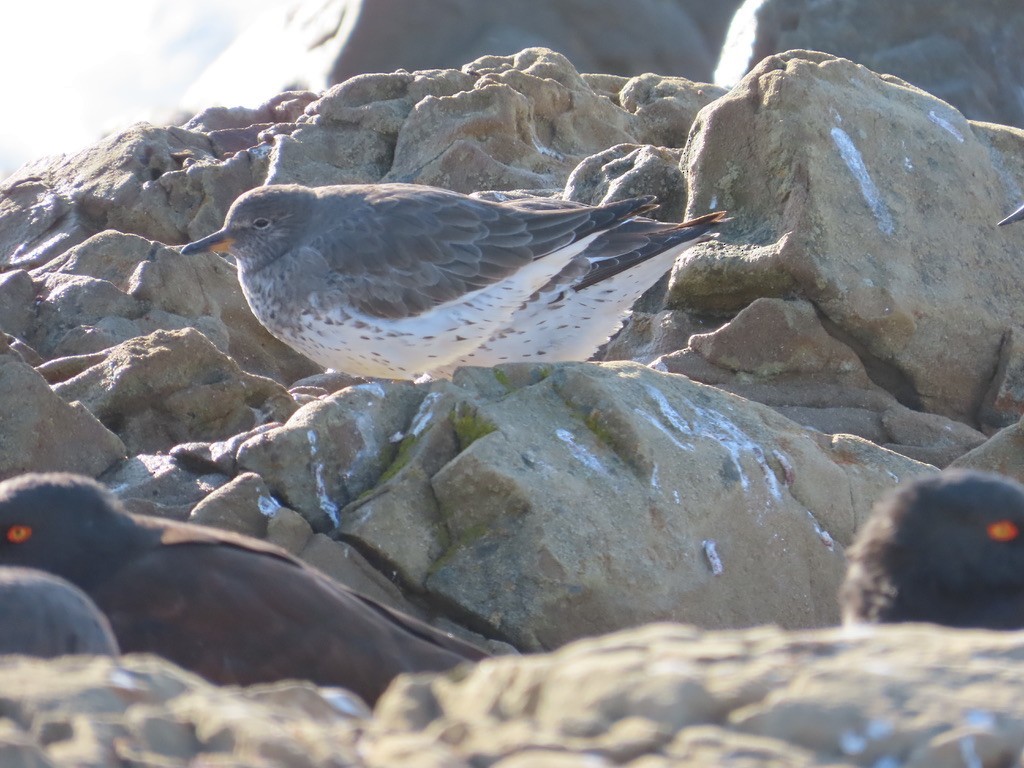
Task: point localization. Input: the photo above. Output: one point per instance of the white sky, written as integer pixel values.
(74, 70)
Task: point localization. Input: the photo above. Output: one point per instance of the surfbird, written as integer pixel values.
(230, 608)
(1015, 216)
(43, 615)
(398, 280)
(946, 549)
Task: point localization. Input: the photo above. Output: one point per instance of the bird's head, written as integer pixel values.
(64, 524)
(261, 225)
(963, 529)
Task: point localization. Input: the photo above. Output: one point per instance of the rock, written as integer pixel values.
(675, 484)
(289, 530)
(243, 505)
(773, 336)
(330, 450)
(114, 287)
(965, 55)
(41, 432)
(501, 122)
(119, 184)
(17, 298)
(934, 311)
(203, 290)
(321, 44)
(657, 696)
(403, 525)
(218, 456)
(668, 695)
(141, 710)
(779, 352)
(1002, 453)
(1003, 404)
(646, 336)
(173, 386)
(342, 562)
(626, 171)
(158, 486)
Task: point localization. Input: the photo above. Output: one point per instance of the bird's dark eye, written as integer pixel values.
(16, 534)
(1003, 530)
(261, 223)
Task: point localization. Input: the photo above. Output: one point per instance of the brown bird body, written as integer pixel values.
(230, 608)
(946, 549)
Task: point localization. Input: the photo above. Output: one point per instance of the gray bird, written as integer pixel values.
(397, 280)
(46, 616)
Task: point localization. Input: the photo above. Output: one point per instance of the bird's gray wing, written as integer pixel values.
(398, 251)
(637, 241)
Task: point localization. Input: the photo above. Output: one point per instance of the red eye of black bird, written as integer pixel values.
(1003, 530)
(261, 223)
(16, 534)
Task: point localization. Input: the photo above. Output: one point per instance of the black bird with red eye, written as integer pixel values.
(230, 608)
(946, 549)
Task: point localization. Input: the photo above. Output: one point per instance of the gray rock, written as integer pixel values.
(174, 386)
(779, 352)
(812, 156)
(154, 484)
(319, 44)
(41, 432)
(676, 485)
(668, 695)
(330, 450)
(967, 54)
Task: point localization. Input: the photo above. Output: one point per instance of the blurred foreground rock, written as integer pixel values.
(663, 695)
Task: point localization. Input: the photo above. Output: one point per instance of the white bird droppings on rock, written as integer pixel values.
(581, 454)
(969, 752)
(852, 157)
(326, 505)
(711, 554)
(424, 414)
(945, 125)
(373, 387)
(268, 505)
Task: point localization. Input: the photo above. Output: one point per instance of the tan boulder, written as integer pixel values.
(552, 503)
(40, 432)
(171, 387)
(843, 184)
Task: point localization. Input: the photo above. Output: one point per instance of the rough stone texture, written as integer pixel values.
(836, 204)
(140, 710)
(330, 450)
(39, 432)
(114, 287)
(318, 44)
(778, 352)
(1002, 453)
(667, 695)
(662, 696)
(590, 495)
(173, 386)
(118, 183)
(149, 484)
(245, 505)
(967, 54)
